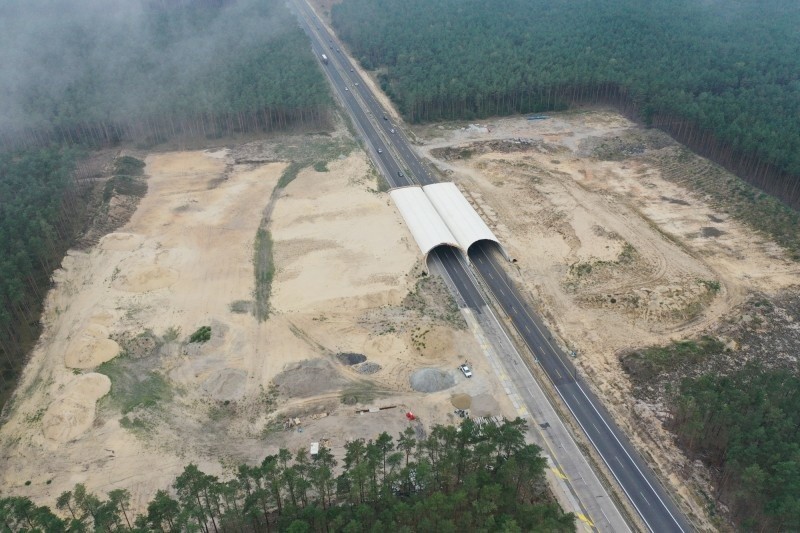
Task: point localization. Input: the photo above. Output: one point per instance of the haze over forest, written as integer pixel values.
(721, 77)
(76, 65)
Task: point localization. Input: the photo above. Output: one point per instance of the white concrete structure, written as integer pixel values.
(438, 214)
(422, 219)
(464, 222)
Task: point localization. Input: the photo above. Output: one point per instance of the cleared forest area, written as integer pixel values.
(131, 75)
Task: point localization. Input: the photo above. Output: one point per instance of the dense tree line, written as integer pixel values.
(722, 77)
(747, 427)
(148, 71)
(40, 208)
(467, 478)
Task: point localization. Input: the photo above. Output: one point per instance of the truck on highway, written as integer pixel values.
(324, 59)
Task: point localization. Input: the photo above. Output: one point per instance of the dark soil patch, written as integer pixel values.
(349, 358)
(676, 201)
(709, 231)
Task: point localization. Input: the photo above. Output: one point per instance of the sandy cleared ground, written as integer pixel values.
(611, 253)
(115, 395)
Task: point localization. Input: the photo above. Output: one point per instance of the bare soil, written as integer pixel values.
(615, 250)
(114, 386)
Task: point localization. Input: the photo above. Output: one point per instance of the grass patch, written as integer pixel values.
(321, 166)
(241, 307)
(647, 363)
(265, 271)
(171, 334)
(290, 173)
(134, 385)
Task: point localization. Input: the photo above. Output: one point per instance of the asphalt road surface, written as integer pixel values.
(391, 150)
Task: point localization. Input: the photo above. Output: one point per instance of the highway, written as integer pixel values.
(401, 166)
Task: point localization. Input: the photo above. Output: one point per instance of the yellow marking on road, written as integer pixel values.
(583, 518)
(558, 472)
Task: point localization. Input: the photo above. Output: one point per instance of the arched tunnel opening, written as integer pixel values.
(440, 254)
(485, 249)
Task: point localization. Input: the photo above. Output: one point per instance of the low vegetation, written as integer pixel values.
(466, 478)
(646, 363)
(202, 334)
(264, 271)
(134, 385)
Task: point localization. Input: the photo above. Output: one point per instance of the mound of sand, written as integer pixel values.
(144, 278)
(485, 405)
(431, 380)
(91, 348)
(226, 385)
(308, 378)
(73, 413)
(122, 242)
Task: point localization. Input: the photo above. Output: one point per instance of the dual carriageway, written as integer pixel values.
(399, 164)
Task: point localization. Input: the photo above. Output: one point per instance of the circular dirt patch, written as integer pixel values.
(431, 380)
(90, 348)
(349, 358)
(461, 401)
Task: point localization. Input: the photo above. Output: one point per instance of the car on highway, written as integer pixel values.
(400, 173)
(391, 130)
(465, 369)
(351, 70)
(380, 151)
(346, 89)
(356, 84)
(385, 117)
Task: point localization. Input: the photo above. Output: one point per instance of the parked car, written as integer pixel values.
(465, 370)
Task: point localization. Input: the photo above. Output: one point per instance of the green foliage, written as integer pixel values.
(264, 270)
(125, 186)
(201, 335)
(465, 478)
(646, 363)
(721, 76)
(40, 214)
(746, 427)
(290, 173)
(127, 165)
(321, 166)
(134, 385)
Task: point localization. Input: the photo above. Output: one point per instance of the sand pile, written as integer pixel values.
(73, 413)
(90, 348)
(461, 401)
(308, 378)
(431, 380)
(121, 242)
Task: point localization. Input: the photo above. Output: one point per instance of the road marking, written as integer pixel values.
(559, 473)
(645, 498)
(585, 519)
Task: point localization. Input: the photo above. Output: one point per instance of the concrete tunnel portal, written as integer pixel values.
(438, 215)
